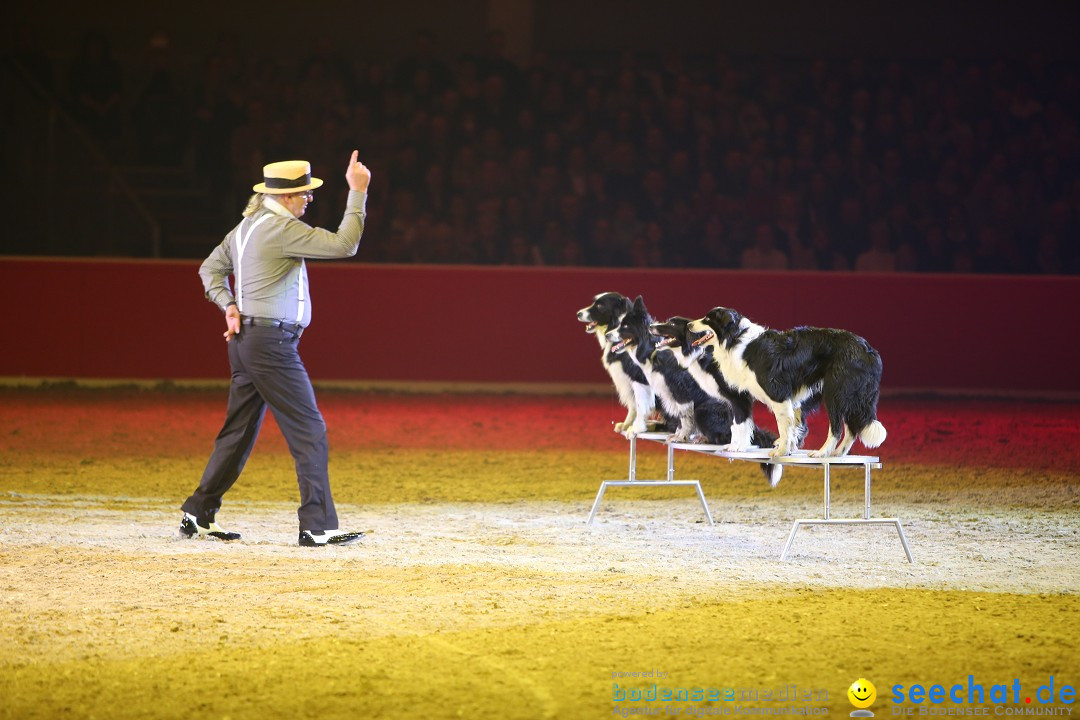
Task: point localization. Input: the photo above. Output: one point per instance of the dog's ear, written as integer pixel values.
(729, 321)
(639, 308)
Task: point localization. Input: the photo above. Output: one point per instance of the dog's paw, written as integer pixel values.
(822, 452)
(825, 453)
(778, 452)
(619, 427)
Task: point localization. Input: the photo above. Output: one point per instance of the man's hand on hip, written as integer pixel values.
(232, 322)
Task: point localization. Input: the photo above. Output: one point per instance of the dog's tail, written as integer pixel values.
(773, 472)
(766, 439)
(873, 434)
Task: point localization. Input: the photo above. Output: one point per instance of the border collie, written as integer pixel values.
(688, 407)
(672, 385)
(786, 369)
(633, 388)
(698, 362)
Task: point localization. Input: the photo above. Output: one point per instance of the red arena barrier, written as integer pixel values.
(147, 320)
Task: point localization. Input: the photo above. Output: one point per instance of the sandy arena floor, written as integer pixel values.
(481, 592)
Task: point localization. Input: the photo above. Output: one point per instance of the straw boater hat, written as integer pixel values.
(288, 176)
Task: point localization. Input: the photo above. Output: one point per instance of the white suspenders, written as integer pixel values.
(241, 243)
(300, 294)
(242, 239)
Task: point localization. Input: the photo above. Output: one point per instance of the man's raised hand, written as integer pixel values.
(357, 174)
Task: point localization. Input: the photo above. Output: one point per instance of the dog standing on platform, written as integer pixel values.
(698, 362)
(787, 369)
(635, 393)
(691, 411)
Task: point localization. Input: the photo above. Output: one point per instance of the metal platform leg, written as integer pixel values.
(895, 522)
(632, 481)
(651, 483)
(596, 503)
(827, 499)
(790, 538)
(864, 520)
(903, 540)
(704, 505)
(866, 492)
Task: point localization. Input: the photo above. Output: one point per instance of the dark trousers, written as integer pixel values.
(267, 371)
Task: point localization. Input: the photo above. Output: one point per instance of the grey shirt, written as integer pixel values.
(265, 254)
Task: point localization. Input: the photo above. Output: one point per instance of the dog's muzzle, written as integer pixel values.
(709, 335)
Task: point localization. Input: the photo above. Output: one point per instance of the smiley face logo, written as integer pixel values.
(862, 693)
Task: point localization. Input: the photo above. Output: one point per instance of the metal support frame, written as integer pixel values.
(632, 480)
(895, 522)
(864, 520)
(800, 457)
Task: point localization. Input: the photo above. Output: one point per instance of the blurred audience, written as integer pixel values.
(800, 164)
(96, 87)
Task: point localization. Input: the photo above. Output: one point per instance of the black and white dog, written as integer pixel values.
(685, 407)
(698, 362)
(785, 369)
(635, 393)
(690, 410)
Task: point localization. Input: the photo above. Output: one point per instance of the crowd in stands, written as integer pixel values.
(676, 161)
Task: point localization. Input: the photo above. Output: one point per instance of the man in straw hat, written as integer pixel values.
(264, 317)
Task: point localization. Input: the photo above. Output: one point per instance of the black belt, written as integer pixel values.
(270, 322)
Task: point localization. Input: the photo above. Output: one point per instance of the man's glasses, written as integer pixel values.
(309, 195)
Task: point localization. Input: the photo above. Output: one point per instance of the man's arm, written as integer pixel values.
(214, 272)
(300, 240)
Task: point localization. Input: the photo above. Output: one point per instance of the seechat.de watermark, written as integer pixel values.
(640, 694)
(978, 698)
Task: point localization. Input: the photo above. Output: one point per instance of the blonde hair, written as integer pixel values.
(253, 204)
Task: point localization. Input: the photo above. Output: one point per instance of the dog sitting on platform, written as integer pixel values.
(690, 410)
(786, 370)
(633, 388)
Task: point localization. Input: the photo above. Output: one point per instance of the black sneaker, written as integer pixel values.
(190, 528)
(328, 537)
